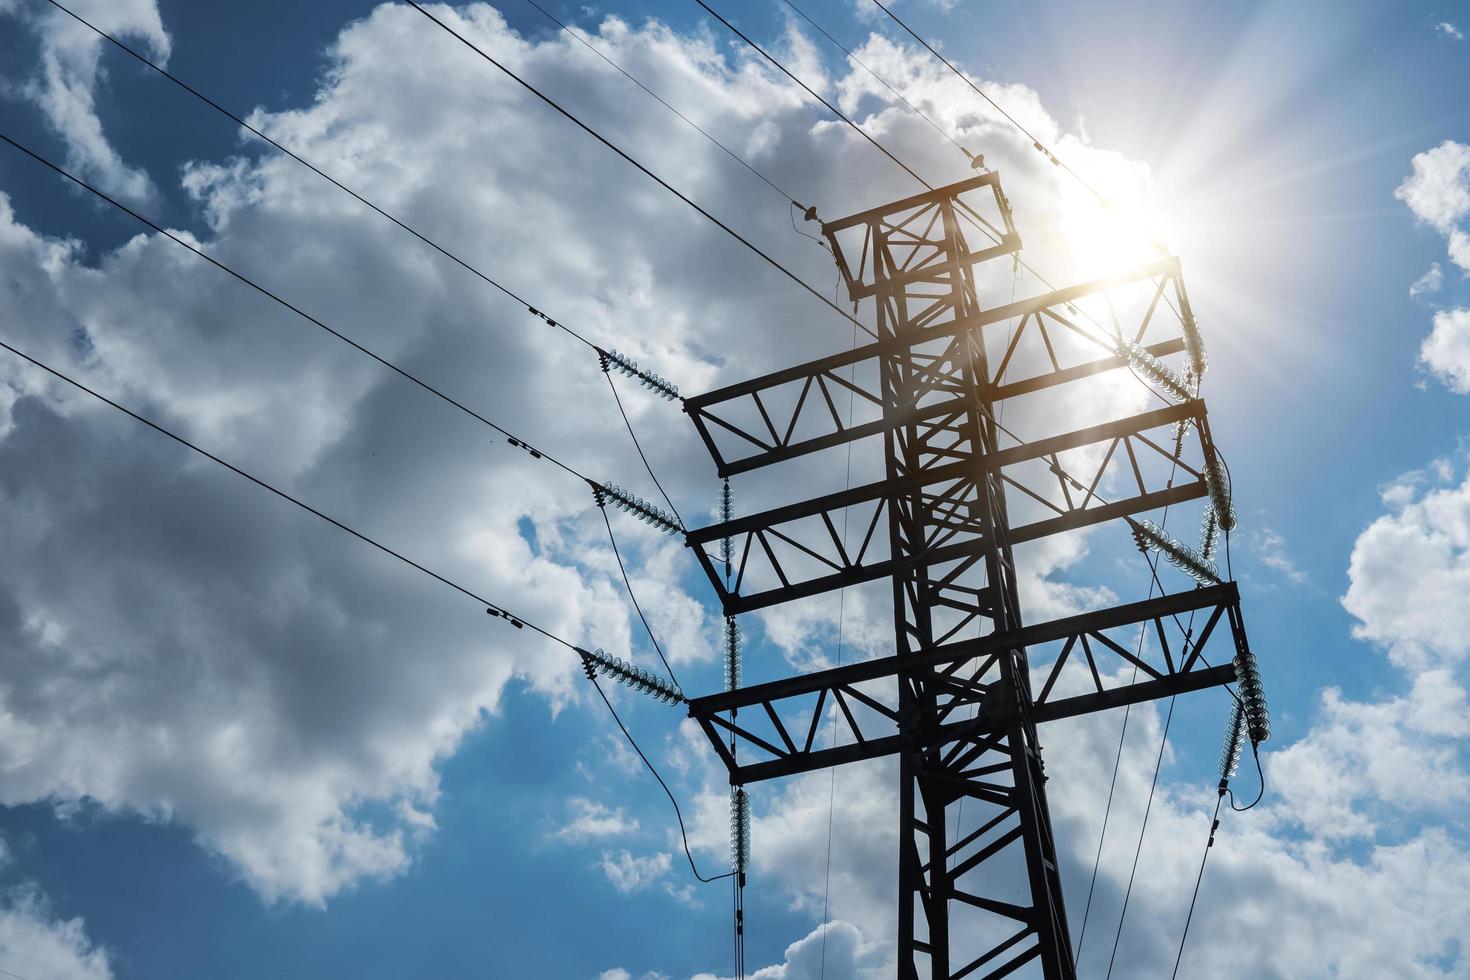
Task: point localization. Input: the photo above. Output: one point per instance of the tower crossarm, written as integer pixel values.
(799, 410)
(1073, 660)
(796, 551)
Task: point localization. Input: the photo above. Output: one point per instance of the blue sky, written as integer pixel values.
(236, 743)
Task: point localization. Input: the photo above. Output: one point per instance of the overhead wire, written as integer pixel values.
(639, 446)
(841, 623)
(577, 35)
(293, 155)
(568, 115)
(1035, 142)
(810, 91)
(1148, 807)
(259, 134)
(241, 277)
(880, 80)
(908, 170)
(1040, 147)
(1198, 879)
(678, 814)
(629, 586)
(494, 608)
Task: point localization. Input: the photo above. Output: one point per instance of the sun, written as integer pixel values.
(1109, 228)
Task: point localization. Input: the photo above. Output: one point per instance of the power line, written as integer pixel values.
(510, 437)
(903, 166)
(1158, 764)
(506, 290)
(629, 586)
(830, 107)
(786, 196)
(642, 169)
(1199, 878)
(841, 623)
(975, 160)
(493, 608)
(1040, 148)
(143, 59)
(669, 793)
(639, 446)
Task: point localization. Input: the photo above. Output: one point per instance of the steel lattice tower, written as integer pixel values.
(955, 701)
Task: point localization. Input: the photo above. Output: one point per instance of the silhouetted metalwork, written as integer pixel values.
(960, 699)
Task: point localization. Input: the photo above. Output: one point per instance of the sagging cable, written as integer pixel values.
(630, 674)
(607, 493)
(1150, 537)
(1157, 371)
(1252, 697)
(739, 830)
(611, 360)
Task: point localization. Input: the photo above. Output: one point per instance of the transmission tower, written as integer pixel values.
(961, 698)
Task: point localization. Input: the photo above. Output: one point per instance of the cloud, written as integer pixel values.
(1408, 574)
(1270, 547)
(618, 973)
(1446, 29)
(595, 820)
(1446, 351)
(1367, 764)
(1430, 282)
(1438, 192)
(35, 944)
(629, 873)
(70, 72)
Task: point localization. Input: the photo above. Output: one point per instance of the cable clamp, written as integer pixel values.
(507, 617)
(512, 440)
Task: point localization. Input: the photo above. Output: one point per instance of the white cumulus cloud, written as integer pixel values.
(1446, 351)
(70, 72)
(34, 944)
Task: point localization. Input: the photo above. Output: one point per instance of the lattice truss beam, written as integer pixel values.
(1054, 484)
(849, 713)
(1054, 339)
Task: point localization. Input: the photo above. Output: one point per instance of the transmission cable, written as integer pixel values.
(639, 446)
(1158, 764)
(1199, 878)
(830, 107)
(510, 437)
(143, 59)
(841, 622)
(903, 166)
(667, 792)
(660, 99)
(1040, 148)
(629, 585)
(493, 608)
(973, 158)
(642, 169)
